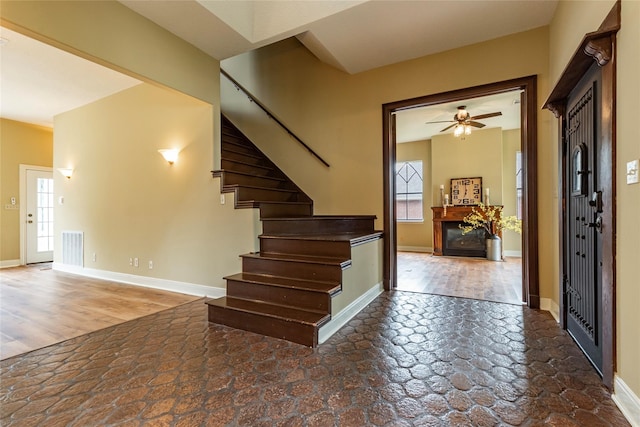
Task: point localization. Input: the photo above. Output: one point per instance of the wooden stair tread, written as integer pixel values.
(289, 314)
(229, 187)
(269, 168)
(287, 282)
(258, 203)
(300, 258)
(324, 217)
(219, 172)
(231, 150)
(350, 237)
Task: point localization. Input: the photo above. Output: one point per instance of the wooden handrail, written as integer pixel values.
(271, 116)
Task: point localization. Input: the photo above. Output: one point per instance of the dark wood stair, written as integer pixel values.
(284, 290)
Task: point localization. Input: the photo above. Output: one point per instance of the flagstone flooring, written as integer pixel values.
(407, 359)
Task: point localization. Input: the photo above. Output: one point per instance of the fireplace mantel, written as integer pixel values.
(453, 213)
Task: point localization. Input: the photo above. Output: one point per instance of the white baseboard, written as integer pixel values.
(425, 249)
(147, 282)
(7, 263)
(627, 401)
(341, 319)
(515, 254)
(550, 305)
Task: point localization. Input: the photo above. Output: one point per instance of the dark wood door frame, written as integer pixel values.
(529, 140)
(600, 47)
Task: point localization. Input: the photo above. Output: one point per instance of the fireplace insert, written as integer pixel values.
(454, 243)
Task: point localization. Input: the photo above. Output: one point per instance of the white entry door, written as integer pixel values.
(39, 220)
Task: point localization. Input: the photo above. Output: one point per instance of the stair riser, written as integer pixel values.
(246, 193)
(250, 169)
(230, 179)
(291, 331)
(284, 211)
(306, 247)
(237, 144)
(298, 298)
(299, 270)
(232, 155)
(318, 226)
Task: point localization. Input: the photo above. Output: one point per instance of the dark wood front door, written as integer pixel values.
(584, 223)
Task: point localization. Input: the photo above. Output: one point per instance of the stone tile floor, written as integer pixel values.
(406, 360)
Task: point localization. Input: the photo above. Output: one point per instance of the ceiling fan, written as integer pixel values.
(462, 121)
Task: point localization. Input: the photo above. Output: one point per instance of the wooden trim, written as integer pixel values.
(594, 46)
(389, 263)
(601, 47)
(528, 84)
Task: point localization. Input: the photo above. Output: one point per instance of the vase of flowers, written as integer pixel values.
(491, 220)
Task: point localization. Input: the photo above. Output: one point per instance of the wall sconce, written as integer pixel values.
(66, 172)
(170, 154)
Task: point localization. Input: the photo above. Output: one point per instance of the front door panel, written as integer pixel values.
(583, 287)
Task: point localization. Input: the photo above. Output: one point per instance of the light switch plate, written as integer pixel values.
(633, 172)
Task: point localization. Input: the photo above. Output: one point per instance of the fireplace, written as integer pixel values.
(448, 238)
(454, 243)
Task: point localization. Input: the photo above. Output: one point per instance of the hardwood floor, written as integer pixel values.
(40, 306)
(474, 278)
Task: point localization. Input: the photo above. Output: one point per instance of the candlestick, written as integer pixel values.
(441, 195)
(446, 199)
(442, 186)
(486, 196)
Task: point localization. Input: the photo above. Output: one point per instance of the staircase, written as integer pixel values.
(284, 290)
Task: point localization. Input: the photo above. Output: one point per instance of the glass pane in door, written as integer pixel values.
(44, 212)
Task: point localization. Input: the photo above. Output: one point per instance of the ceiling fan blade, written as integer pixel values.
(440, 121)
(448, 127)
(476, 124)
(486, 116)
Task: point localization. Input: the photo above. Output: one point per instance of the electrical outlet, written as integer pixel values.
(222, 199)
(136, 263)
(150, 265)
(130, 261)
(94, 257)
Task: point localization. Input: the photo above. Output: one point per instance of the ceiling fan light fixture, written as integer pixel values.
(459, 130)
(462, 113)
(467, 130)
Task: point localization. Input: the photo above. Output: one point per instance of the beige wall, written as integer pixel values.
(340, 116)
(478, 155)
(628, 197)
(20, 143)
(130, 202)
(113, 35)
(418, 236)
(571, 22)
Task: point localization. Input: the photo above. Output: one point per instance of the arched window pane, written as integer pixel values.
(409, 190)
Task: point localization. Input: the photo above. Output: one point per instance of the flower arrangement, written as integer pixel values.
(490, 218)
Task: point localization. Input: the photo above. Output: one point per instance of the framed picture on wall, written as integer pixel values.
(466, 191)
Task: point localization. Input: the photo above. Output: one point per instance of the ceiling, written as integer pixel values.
(411, 124)
(353, 36)
(38, 82)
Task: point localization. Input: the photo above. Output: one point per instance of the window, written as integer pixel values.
(409, 189)
(519, 185)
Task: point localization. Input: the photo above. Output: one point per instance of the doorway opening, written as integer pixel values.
(528, 136)
(433, 254)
